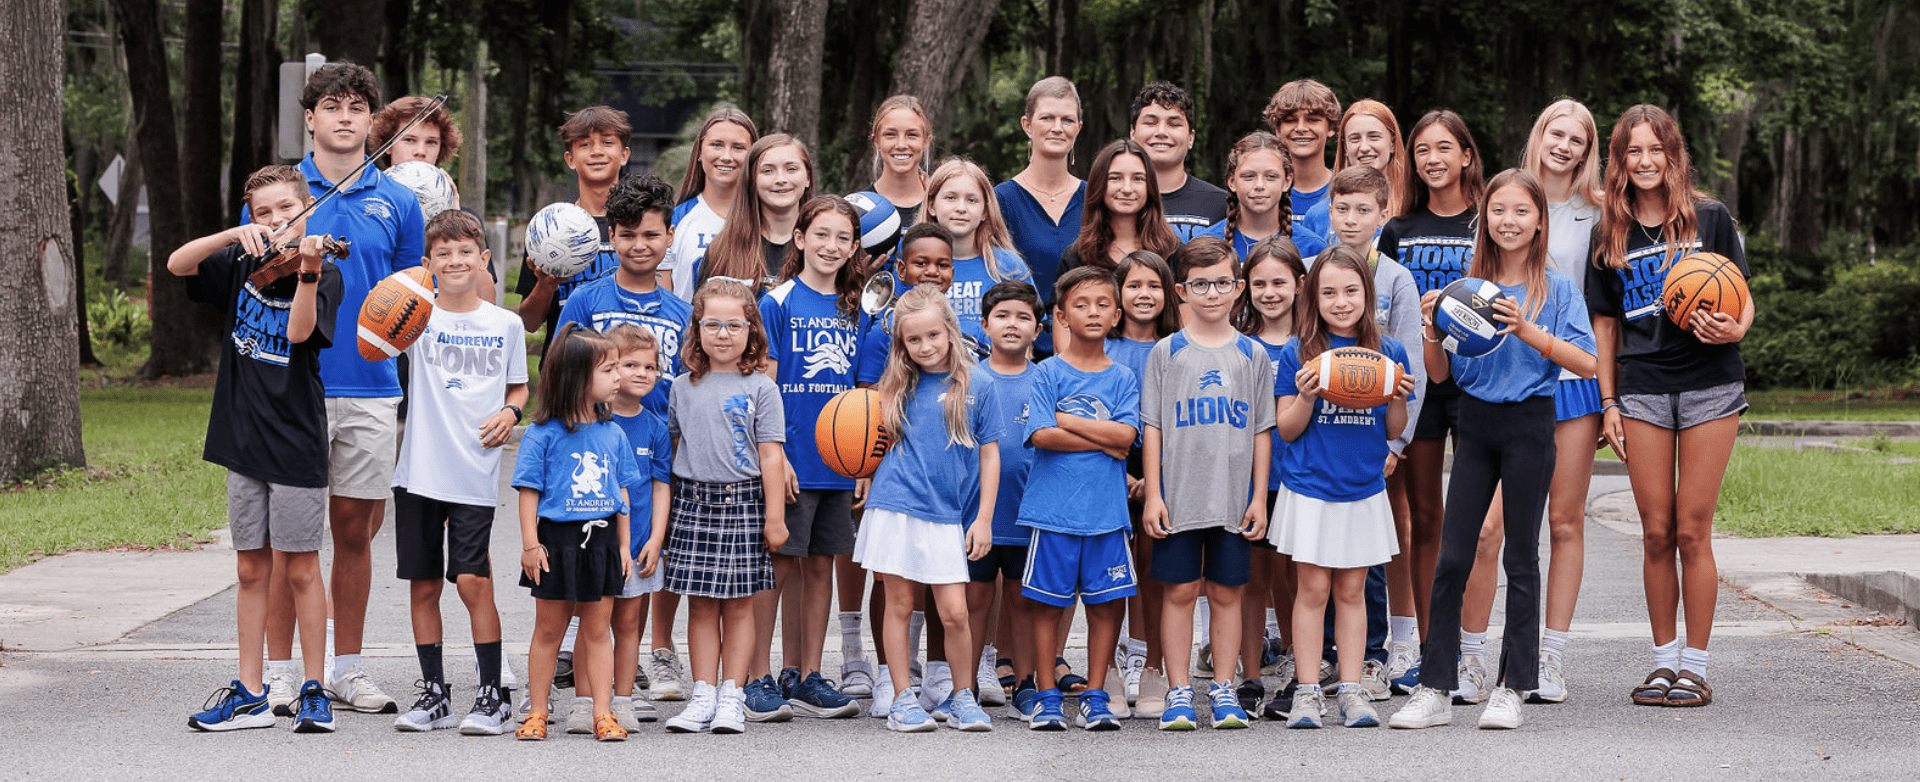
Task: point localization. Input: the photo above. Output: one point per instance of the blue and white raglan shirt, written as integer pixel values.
(971, 279)
(1340, 456)
(603, 304)
(1515, 372)
(1010, 397)
(813, 346)
(382, 219)
(579, 474)
(1656, 356)
(1078, 492)
(695, 225)
(653, 457)
(1209, 403)
(925, 475)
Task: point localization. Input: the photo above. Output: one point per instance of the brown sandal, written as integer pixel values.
(1692, 690)
(1653, 691)
(607, 728)
(533, 728)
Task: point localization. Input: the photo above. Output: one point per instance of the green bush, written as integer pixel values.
(117, 320)
(1822, 322)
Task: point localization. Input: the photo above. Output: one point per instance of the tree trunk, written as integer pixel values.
(125, 212)
(76, 224)
(39, 362)
(184, 335)
(351, 30)
(255, 96)
(1797, 201)
(396, 62)
(941, 37)
(793, 69)
(200, 156)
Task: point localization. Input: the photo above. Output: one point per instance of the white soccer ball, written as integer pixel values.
(562, 239)
(429, 183)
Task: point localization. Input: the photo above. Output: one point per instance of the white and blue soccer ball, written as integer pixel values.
(429, 183)
(562, 239)
(879, 221)
(1464, 317)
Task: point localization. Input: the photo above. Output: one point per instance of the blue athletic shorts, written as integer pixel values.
(1098, 568)
(1220, 555)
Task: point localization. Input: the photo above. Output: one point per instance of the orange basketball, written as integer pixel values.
(1357, 378)
(395, 313)
(1704, 281)
(849, 434)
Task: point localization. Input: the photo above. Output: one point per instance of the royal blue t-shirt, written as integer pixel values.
(1309, 244)
(1280, 444)
(1010, 396)
(874, 347)
(603, 304)
(971, 279)
(1436, 250)
(813, 347)
(1039, 239)
(925, 475)
(382, 219)
(1078, 492)
(1301, 206)
(1342, 454)
(653, 457)
(1514, 372)
(1132, 354)
(579, 474)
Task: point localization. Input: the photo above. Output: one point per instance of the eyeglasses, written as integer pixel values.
(1203, 287)
(723, 326)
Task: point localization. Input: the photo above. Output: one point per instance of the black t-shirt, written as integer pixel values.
(776, 256)
(1194, 207)
(269, 419)
(908, 216)
(1437, 250)
(1656, 356)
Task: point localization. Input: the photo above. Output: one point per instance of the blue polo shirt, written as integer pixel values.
(382, 219)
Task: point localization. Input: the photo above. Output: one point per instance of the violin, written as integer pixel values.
(286, 259)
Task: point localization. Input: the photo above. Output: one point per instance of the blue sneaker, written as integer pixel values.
(942, 711)
(789, 682)
(1227, 714)
(1096, 711)
(314, 710)
(814, 697)
(967, 714)
(906, 716)
(233, 708)
(1047, 714)
(764, 703)
(1024, 700)
(1179, 714)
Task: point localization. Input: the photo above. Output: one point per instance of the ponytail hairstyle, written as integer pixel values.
(1472, 177)
(846, 281)
(736, 251)
(1096, 229)
(1487, 263)
(1169, 320)
(566, 372)
(1586, 173)
(694, 354)
(901, 380)
(1247, 145)
(1399, 170)
(696, 177)
(992, 236)
(1617, 214)
(1278, 249)
(899, 103)
(1312, 325)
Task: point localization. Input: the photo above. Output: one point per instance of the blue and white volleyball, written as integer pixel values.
(562, 239)
(1464, 317)
(879, 221)
(430, 185)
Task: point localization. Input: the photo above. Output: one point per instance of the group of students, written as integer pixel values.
(672, 448)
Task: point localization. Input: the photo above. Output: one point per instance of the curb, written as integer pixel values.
(1890, 592)
(1831, 428)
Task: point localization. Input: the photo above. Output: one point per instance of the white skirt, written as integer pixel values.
(1336, 535)
(917, 550)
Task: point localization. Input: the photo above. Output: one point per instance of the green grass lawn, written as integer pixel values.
(1896, 404)
(146, 486)
(1772, 492)
(1907, 449)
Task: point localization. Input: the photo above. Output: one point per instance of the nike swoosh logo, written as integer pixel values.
(1582, 219)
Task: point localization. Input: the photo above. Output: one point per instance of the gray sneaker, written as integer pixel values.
(1355, 712)
(622, 713)
(1473, 680)
(580, 716)
(1307, 708)
(1553, 683)
(669, 684)
(1373, 681)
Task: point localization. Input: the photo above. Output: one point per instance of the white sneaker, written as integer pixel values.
(936, 685)
(882, 706)
(1402, 658)
(580, 717)
(697, 717)
(354, 689)
(1355, 711)
(1153, 694)
(1203, 661)
(986, 683)
(283, 687)
(1373, 681)
(1503, 711)
(730, 712)
(1135, 666)
(1553, 683)
(1473, 680)
(1426, 709)
(666, 676)
(856, 678)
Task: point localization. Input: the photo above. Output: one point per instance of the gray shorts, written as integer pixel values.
(362, 432)
(637, 586)
(1686, 409)
(820, 521)
(269, 515)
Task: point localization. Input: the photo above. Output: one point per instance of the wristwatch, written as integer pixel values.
(309, 277)
(517, 412)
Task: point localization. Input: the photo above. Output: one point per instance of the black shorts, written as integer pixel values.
(1220, 555)
(435, 539)
(583, 561)
(1006, 560)
(1440, 413)
(819, 521)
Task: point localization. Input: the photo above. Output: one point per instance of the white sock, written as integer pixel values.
(851, 647)
(1667, 655)
(285, 665)
(1201, 610)
(345, 662)
(620, 699)
(1404, 628)
(1693, 661)
(988, 656)
(1473, 644)
(573, 629)
(1554, 642)
(1273, 624)
(329, 637)
(915, 623)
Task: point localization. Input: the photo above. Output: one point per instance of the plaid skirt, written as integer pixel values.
(716, 540)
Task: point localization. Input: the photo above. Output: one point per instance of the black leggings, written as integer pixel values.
(1506, 445)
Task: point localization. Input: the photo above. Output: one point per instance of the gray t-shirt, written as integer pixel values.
(720, 422)
(1210, 404)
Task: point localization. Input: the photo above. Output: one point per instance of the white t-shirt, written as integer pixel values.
(459, 371)
(1569, 235)
(694, 227)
